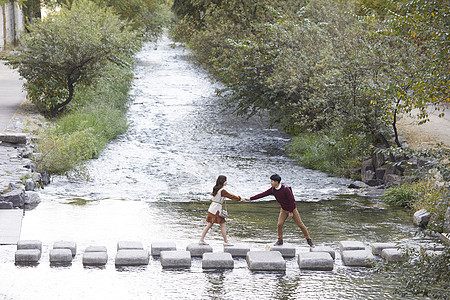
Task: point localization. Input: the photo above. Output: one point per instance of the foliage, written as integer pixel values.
(421, 274)
(98, 117)
(70, 48)
(404, 195)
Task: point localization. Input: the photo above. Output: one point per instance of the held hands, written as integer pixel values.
(246, 199)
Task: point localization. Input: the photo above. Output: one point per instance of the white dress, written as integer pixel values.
(216, 204)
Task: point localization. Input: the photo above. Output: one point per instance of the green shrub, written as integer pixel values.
(404, 195)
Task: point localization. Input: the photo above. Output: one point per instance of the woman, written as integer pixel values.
(219, 195)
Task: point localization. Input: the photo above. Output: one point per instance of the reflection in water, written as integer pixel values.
(154, 184)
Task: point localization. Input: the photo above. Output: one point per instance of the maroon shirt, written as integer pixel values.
(286, 199)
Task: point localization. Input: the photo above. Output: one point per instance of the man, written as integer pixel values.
(286, 200)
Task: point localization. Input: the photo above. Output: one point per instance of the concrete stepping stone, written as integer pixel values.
(60, 255)
(266, 261)
(129, 245)
(351, 245)
(27, 256)
(237, 250)
(175, 259)
(357, 258)
(378, 247)
(222, 260)
(318, 261)
(392, 255)
(326, 249)
(197, 250)
(95, 256)
(157, 247)
(72, 246)
(29, 244)
(96, 249)
(132, 257)
(286, 250)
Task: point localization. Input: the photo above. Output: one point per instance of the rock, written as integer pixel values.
(379, 173)
(175, 259)
(319, 261)
(60, 256)
(157, 247)
(265, 261)
(27, 256)
(16, 197)
(392, 180)
(286, 250)
(357, 185)
(378, 159)
(421, 218)
(351, 245)
(129, 245)
(45, 178)
(237, 250)
(133, 257)
(96, 249)
(197, 250)
(392, 255)
(29, 185)
(447, 220)
(29, 244)
(6, 205)
(357, 258)
(99, 258)
(378, 247)
(368, 176)
(13, 138)
(326, 249)
(32, 198)
(37, 177)
(367, 165)
(217, 261)
(72, 246)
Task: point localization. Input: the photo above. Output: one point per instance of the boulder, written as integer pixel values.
(421, 218)
(392, 180)
(265, 261)
(357, 185)
(29, 185)
(221, 260)
(319, 261)
(6, 205)
(175, 259)
(17, 197)
(45, 178)
(378, 159)
(379, 173)
(368, 177)
(32, 198)
(367, 165)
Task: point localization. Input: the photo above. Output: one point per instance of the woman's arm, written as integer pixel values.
(224, 193)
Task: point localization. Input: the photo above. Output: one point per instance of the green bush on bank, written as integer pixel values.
(97, 117)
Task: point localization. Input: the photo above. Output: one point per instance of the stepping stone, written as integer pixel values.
(60, 255)
(133, 257)
(175, 259)
(27, 255)
(357, 258)
(286, 250)
(432, 246)
(129, 245)
(351, 245)
(378, 247)
(157, 247)
(319, 261)
(391, 255)
(266, 261)
(95, 258)
(327, 249)
(72, 246)
(29, 244)
(198, 250)
(96, 249)
(217, 261)
(237, 250)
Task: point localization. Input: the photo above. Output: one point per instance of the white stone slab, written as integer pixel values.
(326, 249)
(129, 245)
(10, 226)
(319, 261)
(218, 260)
(237, 250)
(198, 250)
(72, 246)
(99, 258)
(96, 249)
(175, 259)
(392, 255)
(378, 247)
(357, 258)
(29, 244)
(132, 257)
(351, 245)
(286, 250)
(266, 261)
(60, 255)
(157, 247)
(27, 255)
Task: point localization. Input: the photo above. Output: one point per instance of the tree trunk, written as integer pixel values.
(60, 106)
(4, 24)
(14, 35)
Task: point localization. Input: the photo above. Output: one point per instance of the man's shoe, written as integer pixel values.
(310, 243)
(279, 242)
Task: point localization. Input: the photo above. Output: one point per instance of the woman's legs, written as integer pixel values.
(205, 231)
(223, 229)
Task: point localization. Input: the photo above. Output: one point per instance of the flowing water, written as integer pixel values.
(153, 184)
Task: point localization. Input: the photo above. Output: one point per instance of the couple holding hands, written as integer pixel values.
(282, 194)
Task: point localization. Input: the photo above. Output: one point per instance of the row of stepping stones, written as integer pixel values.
(132, 253)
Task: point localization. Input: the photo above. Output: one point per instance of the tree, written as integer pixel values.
(71, 47)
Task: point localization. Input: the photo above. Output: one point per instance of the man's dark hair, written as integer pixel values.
(275, 177)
